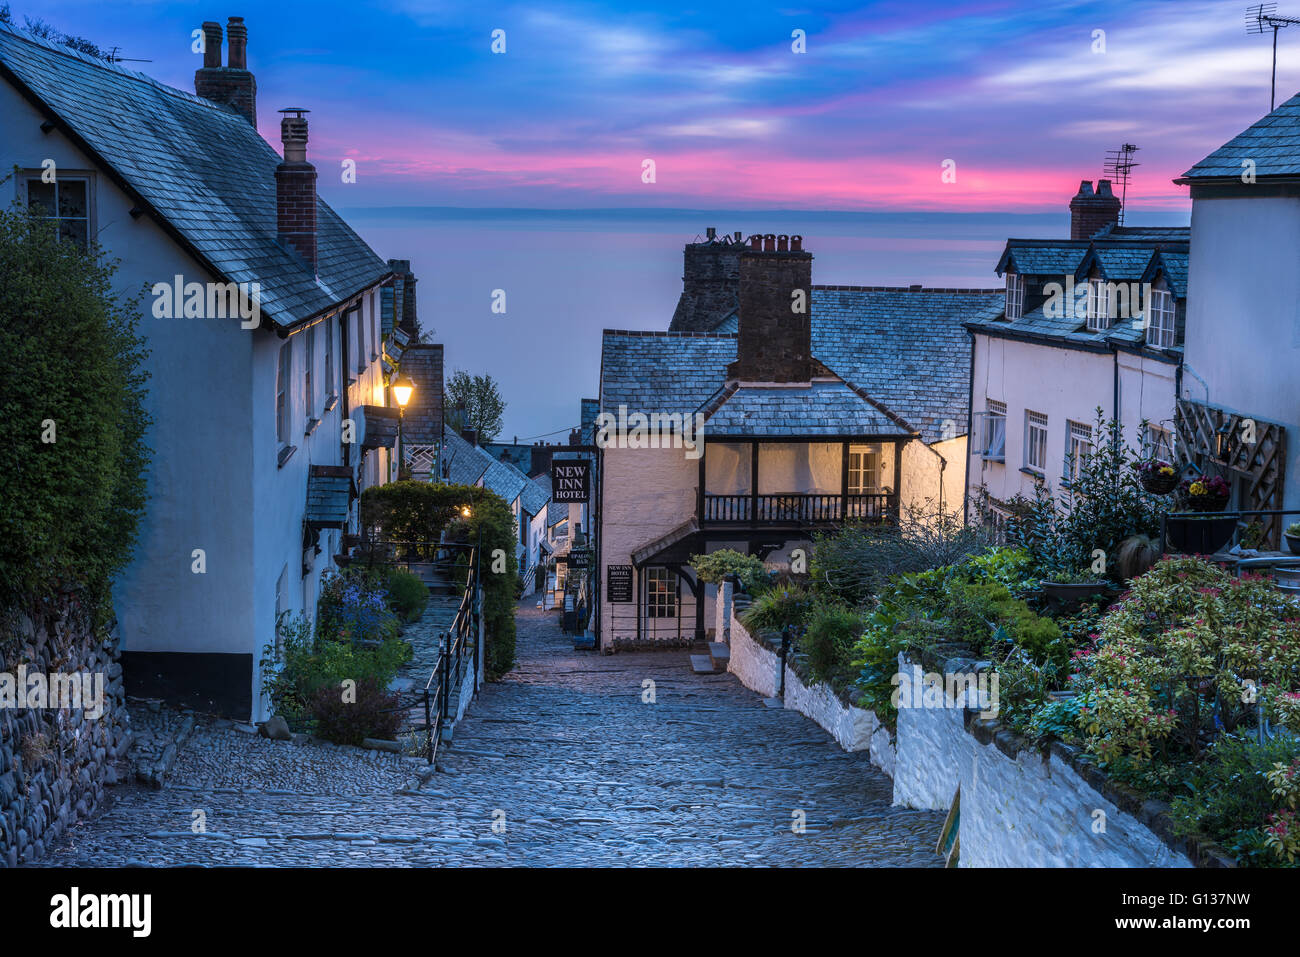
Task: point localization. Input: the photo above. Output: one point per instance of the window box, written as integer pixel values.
(286, 453)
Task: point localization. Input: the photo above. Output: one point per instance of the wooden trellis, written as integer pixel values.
(1209, 436)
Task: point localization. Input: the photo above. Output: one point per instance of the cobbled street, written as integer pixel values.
(562, 756)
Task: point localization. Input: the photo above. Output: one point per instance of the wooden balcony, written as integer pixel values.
(796, 509)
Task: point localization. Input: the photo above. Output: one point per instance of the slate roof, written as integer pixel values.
(1273, 143)
(201, 167)
(904, 349)
(533, 498)
(1116, 262)
(1173, 264)
(1042, 257)
(821, 408)
(468, 464)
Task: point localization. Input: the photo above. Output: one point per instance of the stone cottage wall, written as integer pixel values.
(54, 765)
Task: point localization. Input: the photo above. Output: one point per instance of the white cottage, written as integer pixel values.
(254, 397)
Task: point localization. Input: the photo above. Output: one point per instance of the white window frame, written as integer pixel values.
(1078, 447)
(994, 435)
(1036, 433)
(30, 176)
(864, 470)
(308, 367)
(1157, 443)
(662, 599)
(1015, 296)
(1098, 305)
(283, 373)
(1160, 327)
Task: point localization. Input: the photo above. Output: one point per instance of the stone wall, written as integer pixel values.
(55, 764)
(755, 662)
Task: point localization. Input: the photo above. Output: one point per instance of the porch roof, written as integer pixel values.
(330, 490)
(671, 544)
(819, 408)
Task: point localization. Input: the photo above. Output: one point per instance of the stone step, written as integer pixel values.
(720, 653)
(703, 665)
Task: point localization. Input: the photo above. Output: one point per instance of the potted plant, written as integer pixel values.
(1071, 585)
(1206, 494)
(1292, 535)
(1157, 476)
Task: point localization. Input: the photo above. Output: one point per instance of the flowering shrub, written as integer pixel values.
(1152, 468)
(353, 607)
(1188, 652)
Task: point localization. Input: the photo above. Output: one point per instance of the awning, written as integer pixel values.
(677, 546)
(378, 426)
(330, 491)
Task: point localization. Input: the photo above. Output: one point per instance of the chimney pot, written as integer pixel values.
(769, 242)
(238, 50)
(796, 244)
(737, 235)
(756, 241)
(783, 243)
(712, 233)
(1090, 212)
(211, 45)
(1103, 188)
(295, 189)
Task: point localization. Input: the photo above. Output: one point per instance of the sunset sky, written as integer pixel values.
(1013, 93)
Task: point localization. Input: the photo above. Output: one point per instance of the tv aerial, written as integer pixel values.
(1119, 165)
(1261, 17)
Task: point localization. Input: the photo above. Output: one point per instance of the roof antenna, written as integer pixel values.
(1119, 164)
(1260, 18)
(114, 56)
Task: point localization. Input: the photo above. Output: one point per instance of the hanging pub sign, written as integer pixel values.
(580, 558)
(570, 481)
(619, 585)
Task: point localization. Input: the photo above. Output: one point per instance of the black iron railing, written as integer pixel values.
(458, 647)
(797, 508)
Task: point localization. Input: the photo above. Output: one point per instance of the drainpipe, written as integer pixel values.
(1114, 399)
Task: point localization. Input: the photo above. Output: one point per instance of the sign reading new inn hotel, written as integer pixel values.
(570, 480)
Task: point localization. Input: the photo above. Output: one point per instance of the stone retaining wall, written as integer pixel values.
(55, 764)
(756, 663)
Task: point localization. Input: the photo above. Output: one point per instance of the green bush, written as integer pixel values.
(373, 714)
(714, 567)
(1231, 799)
(72, 485)
(307, 661)
(407, 594)
(778, 608)
(828, 641)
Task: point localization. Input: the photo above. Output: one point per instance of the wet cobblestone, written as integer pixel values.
(562, 763)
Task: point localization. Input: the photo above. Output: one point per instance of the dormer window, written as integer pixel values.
(1098, 305)
(1015, 295)
(1160, 330)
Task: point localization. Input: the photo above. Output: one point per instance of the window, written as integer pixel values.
(1157, 443)
(1160, 330)
(1015, 295)
(864, 470)
(995, 431)
(281, 393)
(328, 328)
(1035, 441)
(661, 593)
(1098, 305)
(67, 202)
(309, 360)
(996, 522)
(1078, 446)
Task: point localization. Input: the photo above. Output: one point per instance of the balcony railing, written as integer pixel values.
(796, 509)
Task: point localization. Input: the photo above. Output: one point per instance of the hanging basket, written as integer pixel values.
(1158, 484)
(1200, 536)
(1207, 503)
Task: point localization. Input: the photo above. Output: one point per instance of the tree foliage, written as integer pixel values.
(72, 468)
(474, 402)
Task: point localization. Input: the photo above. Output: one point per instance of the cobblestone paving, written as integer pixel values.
(561, 763)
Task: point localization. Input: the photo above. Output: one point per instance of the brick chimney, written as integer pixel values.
(1091, 212)
(231, 85)
(775, 343)
(295, 189)
(710, 280)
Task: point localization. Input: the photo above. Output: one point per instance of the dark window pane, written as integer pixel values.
(73, 230)
(40, 197)
(72, 199)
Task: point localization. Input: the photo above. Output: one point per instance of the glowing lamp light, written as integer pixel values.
(402, 389)
(465, 512)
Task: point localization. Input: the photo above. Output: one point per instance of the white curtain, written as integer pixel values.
(727, 469)
(799, 468)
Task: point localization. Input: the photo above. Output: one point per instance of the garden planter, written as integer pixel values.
(1159, 484)
(1199, 536)
(1293, 543)
(1207, 503)
(1069, 592)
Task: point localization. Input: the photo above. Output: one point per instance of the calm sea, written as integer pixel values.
(568, 274)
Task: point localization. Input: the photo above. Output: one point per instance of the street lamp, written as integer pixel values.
(402, 388)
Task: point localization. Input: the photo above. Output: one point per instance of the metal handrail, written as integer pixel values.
(451, 656)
